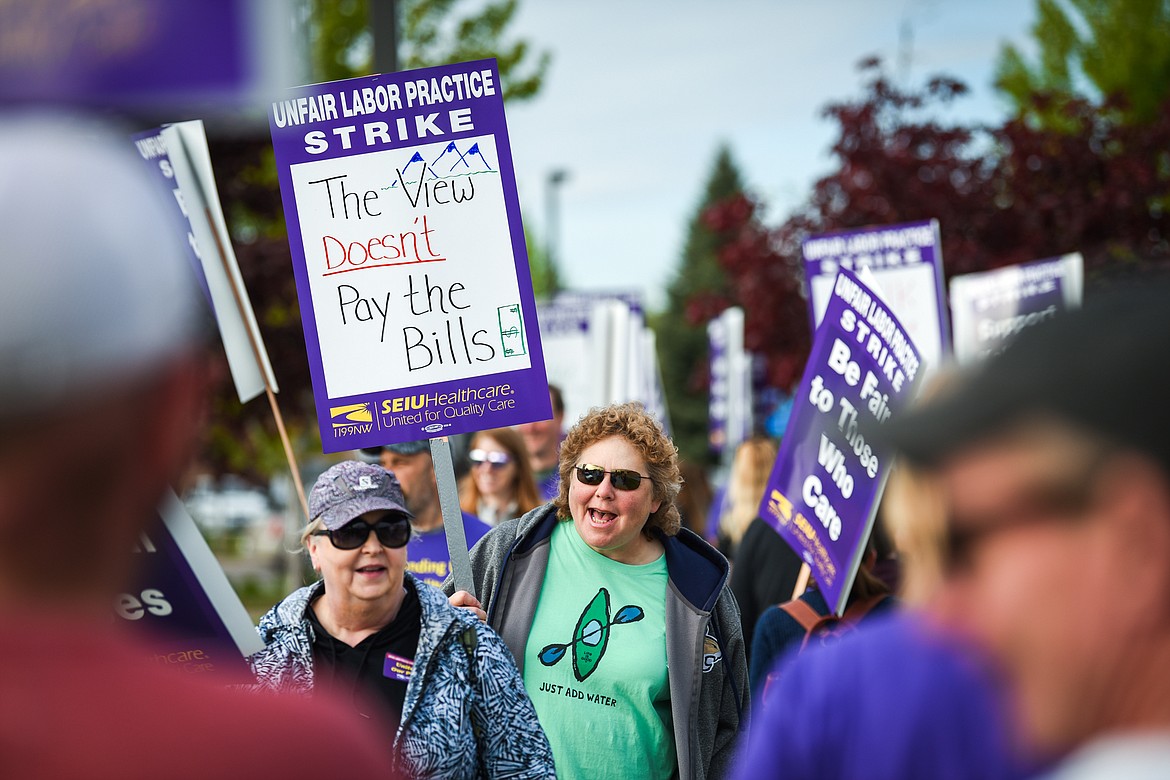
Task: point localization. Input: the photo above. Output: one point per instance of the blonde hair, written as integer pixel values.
(631, 422)
(309, 530)
(745, 488)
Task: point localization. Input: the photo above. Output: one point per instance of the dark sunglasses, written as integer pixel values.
(393, 533)
(497, 460)
(621, 479)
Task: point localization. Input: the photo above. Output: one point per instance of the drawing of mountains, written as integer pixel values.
(418, 158)
(449, 163)
(454, 161)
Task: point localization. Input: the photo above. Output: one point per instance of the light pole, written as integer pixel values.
(556, 178)
(384, 26)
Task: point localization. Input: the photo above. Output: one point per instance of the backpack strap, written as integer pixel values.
(802, 613)
(808, 618)
(856, 611)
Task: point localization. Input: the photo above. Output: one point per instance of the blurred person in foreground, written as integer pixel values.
(99, 346)
(500, 485)
(897, 698)
(543, 438)
(1054, 461)
(435, 680)
(427, 555)
(622, 623)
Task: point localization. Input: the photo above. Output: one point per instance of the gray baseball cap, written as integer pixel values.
(94, 285)
(350, 489)
(400, 448)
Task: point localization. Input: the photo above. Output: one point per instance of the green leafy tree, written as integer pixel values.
(546, 282)
(698, 293)
(1113, 53)
(430, 33)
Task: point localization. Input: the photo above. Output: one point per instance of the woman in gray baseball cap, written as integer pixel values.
(442, 682)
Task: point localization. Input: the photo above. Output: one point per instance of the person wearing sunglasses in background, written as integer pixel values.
(433, 677)
(410, 462)
(621, 622)
(501, 485)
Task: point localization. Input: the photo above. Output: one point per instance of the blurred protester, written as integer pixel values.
(765, 569)
(433, 678)
(1054, 458)
(784, 627)
(98, 345)
(695, 496)
(893, 700)
(625, 632)
(428, 557)
(501, 485)
(543, 439)
(897, 698)
(746, 481)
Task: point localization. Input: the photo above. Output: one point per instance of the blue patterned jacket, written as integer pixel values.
(459, 719)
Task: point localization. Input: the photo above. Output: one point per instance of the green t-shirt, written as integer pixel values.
(595, 664)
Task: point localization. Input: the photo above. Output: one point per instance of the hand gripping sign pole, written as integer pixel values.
(452, 515)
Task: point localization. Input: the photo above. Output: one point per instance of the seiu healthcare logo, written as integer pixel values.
(351, 418)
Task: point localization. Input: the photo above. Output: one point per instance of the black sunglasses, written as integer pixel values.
(392, 532)
(621, 479)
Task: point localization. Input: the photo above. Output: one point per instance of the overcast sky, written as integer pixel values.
(642, 92)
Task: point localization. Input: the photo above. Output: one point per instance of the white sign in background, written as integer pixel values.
(410, 266)
(910, 293)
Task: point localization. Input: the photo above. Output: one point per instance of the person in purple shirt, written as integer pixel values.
(894, 699)
(427, 557)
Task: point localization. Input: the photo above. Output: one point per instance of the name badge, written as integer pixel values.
(397, 668)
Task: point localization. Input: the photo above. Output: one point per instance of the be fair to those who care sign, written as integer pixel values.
(822, 494)
(408, 251)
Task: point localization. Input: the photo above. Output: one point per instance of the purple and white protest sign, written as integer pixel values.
(184, 602)
(990, 308)
(823, 491)
(153, 149)
(906, 262)
(409, 256)
(598, 351)
(179, 154)
(729, 409)
(218, 54)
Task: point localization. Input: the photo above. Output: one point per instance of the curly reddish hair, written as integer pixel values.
(631, 422)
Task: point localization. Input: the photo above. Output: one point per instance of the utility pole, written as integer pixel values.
(384, 27)
(556, 178)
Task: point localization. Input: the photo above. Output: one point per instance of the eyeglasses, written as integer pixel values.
(392, 533)
(621, 479)
(1041, 505)
(497, 460)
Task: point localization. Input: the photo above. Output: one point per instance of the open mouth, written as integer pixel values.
(371, 570)
(599, 518)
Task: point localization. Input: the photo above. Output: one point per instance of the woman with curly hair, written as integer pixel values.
(622, 624)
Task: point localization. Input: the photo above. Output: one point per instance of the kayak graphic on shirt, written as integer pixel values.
(591, 636)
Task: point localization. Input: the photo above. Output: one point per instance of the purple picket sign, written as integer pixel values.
(719, 401)
(823, 491)
(153, 150)
(218, 54)
(991, 307)
(906, 262)
(409, 256)
(183, 603)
